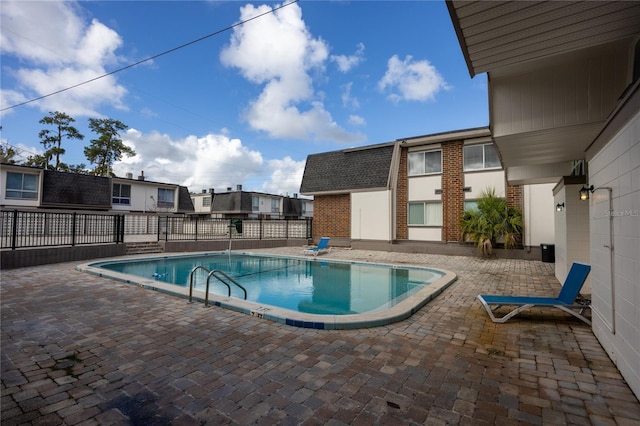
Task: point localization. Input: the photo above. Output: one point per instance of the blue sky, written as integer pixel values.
(245, 106)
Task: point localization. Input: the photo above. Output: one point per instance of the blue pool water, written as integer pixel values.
(297, 284)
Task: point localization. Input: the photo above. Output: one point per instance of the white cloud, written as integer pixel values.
(347, 99)
(278, 51)
(211, 161)
(411, 80)
(356, 120)
(286, 176)
(346, 63)
(58, 49)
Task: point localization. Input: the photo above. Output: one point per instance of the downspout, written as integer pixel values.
(611, 260)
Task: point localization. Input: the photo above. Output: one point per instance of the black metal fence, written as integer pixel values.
(40, 229)
(21, 229)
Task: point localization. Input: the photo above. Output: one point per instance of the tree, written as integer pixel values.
(52, 139)
(7, 154)
(37, 160)
(491, 221)
(108, 147)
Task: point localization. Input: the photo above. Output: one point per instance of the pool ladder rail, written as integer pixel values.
(216, 273)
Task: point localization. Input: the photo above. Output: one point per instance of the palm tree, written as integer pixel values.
(492, 220)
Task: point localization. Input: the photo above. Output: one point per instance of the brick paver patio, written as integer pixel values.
(80, 349)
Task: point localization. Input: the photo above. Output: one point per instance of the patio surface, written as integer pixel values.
(80, 349)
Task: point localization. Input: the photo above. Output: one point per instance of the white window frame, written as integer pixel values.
(206, 201)
(163, 200)
(425, 217)
(119, 199)
(275, 205)
(31, 194)
(255, 203)
(484, 158)
(423, 170)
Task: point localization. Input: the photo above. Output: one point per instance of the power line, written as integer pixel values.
(151, 57)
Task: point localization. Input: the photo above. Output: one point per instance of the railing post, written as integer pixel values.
(261, 228)
(287, 229)
(121, 235)
(14, 230)
(158, 228)
(73, 228)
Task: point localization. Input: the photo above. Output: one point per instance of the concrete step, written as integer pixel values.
(143, 248)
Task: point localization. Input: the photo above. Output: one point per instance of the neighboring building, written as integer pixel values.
(563, 92)
(414, 189)
(241, 204)
(30, 187)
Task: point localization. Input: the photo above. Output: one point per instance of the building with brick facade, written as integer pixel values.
(415, 190)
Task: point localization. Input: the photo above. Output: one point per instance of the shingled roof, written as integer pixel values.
(72, 190)
(350, 169)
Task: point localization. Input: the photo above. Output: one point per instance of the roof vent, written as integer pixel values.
(239, 188)
(141, 177)
(129, 175)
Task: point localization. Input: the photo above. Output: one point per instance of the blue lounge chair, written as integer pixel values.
(320, 248)
(565, 301)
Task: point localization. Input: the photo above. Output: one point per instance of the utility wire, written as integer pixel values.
(151, 57)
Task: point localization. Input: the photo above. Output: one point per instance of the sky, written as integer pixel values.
(219, 96)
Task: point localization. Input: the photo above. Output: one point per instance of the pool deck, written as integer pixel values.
(81, 349)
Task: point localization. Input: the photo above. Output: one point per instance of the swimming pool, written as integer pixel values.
(299, 291)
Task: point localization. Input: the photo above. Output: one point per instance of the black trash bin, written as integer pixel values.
(548, 253)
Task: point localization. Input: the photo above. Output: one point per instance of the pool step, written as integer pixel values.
(143, 247)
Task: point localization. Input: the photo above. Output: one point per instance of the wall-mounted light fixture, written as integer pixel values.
(559, 207)
(585, 191)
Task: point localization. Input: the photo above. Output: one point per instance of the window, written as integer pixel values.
(206, 201)
(121, 194)
(425, 213)
(470, 205)
(22, 185)
(275, 205)
(165, 197)
(479, 157)
(421, 163)
(255, 204)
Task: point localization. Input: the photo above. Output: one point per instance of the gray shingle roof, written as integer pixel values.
(346, 170)
(73, 190)
(184, 200)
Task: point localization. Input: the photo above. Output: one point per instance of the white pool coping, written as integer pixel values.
(401, 311)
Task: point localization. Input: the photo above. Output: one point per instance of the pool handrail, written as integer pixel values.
(210, 274)
(224, 274)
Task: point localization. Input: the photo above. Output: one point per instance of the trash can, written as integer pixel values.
(548, 253)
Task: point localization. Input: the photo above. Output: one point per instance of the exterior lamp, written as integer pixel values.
(559, 207)
(584, 192)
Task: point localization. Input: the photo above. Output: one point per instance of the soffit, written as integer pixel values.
(496, 34)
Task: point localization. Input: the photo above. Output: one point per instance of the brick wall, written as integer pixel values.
(514, 196)
(402, 198)
(332, 216)
(452, 190)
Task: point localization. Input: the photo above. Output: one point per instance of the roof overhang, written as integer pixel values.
(496, 34)
(556, 70)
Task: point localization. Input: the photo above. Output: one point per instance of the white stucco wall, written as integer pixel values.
(481, 181)
(423, 188)
(539, 211)
(571, 240)
(141, 197)
(616, 287)
(370, 215)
